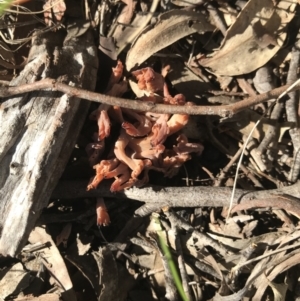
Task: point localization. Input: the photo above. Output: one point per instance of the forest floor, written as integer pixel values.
(196, 199)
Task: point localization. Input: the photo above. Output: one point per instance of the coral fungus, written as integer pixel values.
(140, 146)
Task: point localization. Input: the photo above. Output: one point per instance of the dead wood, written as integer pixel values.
(158, 197)
(39, 130)
(223, 111)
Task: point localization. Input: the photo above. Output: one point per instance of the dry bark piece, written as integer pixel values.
(171, 26)
(39, 133)
(264, 79)
(257, 34)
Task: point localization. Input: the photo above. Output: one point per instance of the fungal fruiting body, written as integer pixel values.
(141, 146)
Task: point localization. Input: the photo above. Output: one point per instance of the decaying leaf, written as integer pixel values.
(185, 81)
(13, 280)
(108, 272)
(257, 35)
(77, 29)
(171, 27)
(44, 297)
(270, 239)
(263, 80)
(83, 244)
(279, 290)
(187, 2)
(282, 264)
(63, 236)
(52, 259)
(120, 32)
(83, 261)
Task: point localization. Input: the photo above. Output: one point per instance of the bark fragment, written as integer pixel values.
(39, 130)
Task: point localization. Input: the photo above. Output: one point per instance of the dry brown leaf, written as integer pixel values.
(13, 280)
(239, 244)
(85, 264)
(63, 236)
(44, 297)
(185, 81)
(234, 297)
(279, 290)
(140, 22)
(255, 37)
(51, 258)
(83, 246)
(108, 272)
(244, 121)
(290, 261)
(171, 26)
(76, 29)
(232, 229)
(264, 79)
(210, 260)
(187, 2)
(121, 32)
(249, 227)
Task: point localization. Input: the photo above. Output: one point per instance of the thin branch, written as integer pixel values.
(196, 196)
(223, 111)
(226, 169)
(272, 129)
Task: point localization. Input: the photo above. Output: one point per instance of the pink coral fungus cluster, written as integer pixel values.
(140, 146)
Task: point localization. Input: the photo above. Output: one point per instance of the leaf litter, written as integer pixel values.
(104, 250)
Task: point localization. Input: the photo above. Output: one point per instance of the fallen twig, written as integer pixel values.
(223, 111)
(286, 202)
(198, 196)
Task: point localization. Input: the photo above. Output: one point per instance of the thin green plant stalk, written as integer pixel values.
(171, 263)
(5, 5)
